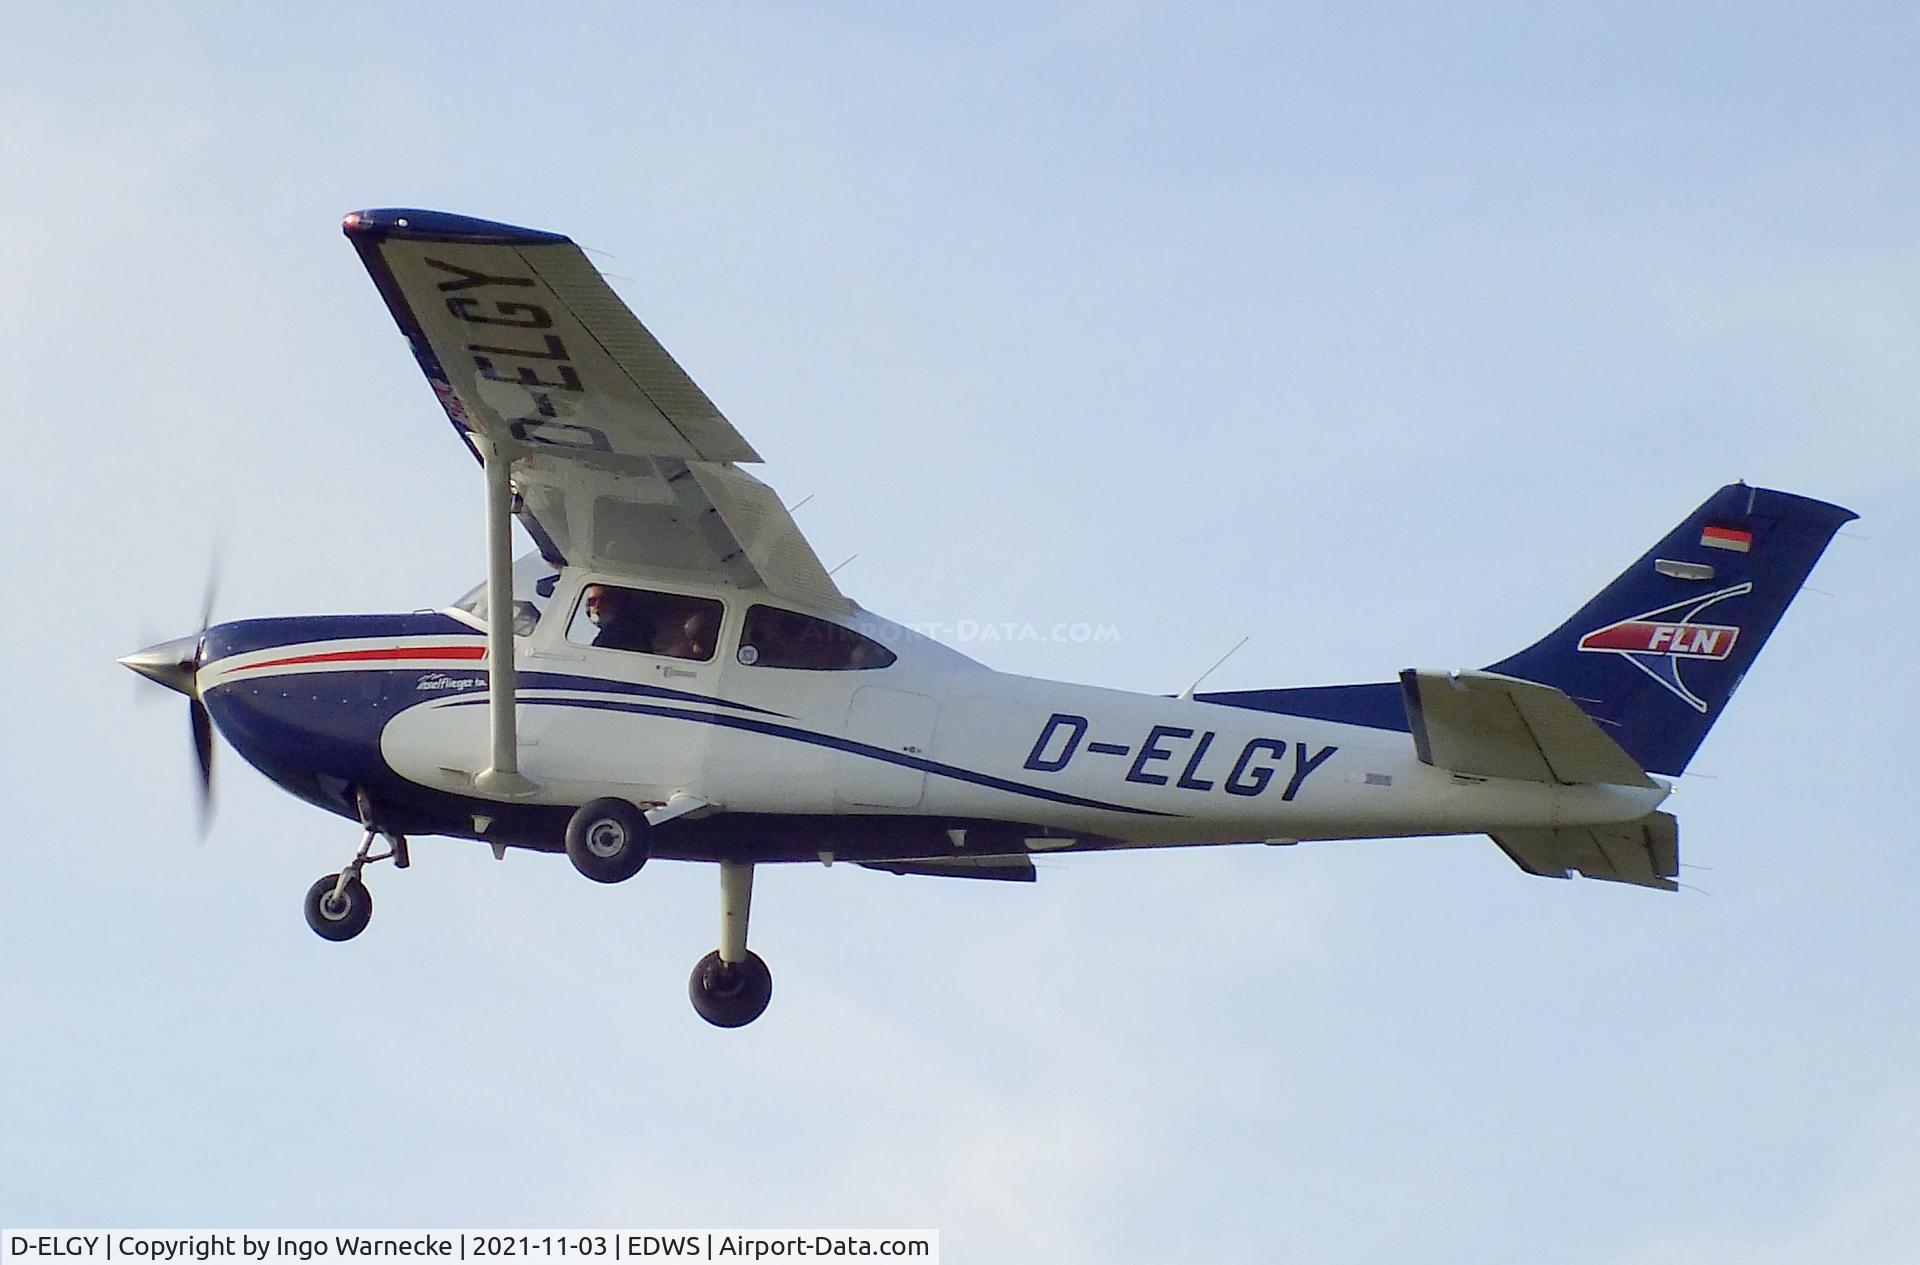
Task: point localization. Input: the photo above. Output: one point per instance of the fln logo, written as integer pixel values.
(1643, 636)
(1657, 641)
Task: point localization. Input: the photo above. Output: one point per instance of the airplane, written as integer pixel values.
(671, 673)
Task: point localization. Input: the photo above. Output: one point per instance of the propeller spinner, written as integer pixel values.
(176, 665)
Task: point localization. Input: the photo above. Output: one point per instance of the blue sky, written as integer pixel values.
(1381, 334)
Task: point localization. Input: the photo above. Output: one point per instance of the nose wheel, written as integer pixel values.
(336, 910)
(339, 906)
(731, 986)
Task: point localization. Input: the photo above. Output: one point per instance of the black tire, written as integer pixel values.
(607, 840)
(730, 995)
(343, 919)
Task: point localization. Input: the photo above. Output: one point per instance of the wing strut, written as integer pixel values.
(502, 777)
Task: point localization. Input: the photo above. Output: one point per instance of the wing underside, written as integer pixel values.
(620, 460)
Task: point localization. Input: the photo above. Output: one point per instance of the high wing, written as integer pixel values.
(619, 460)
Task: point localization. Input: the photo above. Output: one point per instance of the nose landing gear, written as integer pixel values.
(339, 906)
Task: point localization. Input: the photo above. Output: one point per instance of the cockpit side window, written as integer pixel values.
(776, 638)
(614, 617)
(533, 581)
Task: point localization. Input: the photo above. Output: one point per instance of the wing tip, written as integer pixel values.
(441, 226)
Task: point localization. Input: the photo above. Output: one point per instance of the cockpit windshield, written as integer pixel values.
(533, 581)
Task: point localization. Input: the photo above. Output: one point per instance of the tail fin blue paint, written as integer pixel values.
(1655, 657)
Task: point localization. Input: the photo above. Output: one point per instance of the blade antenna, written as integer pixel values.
(1188, 692)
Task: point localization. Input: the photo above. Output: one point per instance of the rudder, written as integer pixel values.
(1657, 654)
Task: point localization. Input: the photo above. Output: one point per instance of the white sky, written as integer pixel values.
(1383, 334)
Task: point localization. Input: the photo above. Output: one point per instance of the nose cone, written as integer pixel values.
(171, 663)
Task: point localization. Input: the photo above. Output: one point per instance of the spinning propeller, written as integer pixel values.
(176, 665)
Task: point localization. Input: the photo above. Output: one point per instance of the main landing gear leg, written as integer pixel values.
(339, 906)
(731, 986)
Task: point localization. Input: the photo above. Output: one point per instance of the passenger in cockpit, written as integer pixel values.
(692, 637)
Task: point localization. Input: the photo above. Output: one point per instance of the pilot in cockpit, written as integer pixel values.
(622, 626)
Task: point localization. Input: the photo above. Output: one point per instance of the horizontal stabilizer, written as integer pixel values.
(1007, 869)
(1645, 853)
(1495, 726)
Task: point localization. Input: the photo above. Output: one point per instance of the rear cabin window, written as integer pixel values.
(641, 620)
(775, 638)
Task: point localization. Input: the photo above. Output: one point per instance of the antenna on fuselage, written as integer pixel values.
(1188, 692)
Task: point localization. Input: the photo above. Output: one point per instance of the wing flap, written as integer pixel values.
(766, 533)
(1495, 726)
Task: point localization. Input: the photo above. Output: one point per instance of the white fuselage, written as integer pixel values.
(933, 734)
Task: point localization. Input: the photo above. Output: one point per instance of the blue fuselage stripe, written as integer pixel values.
(566, 681)
(754, 725)
(538, 681)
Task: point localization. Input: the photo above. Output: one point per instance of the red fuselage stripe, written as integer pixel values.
(368, 656)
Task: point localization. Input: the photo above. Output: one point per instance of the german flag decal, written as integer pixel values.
(1738, 539)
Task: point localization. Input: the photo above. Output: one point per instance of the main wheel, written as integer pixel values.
(607, 840)
(338, 917)
(730, 994)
